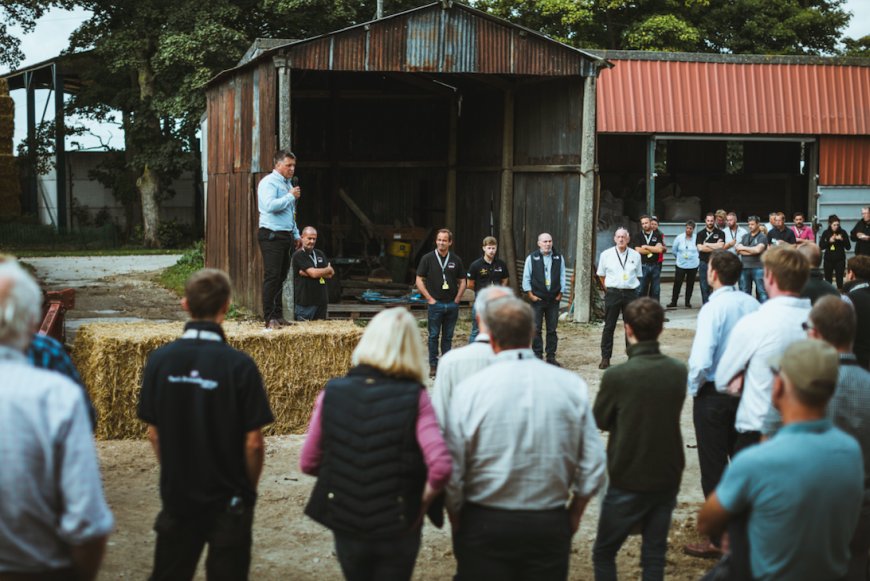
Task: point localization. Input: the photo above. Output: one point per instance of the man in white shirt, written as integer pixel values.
(527, 457)
(460, 364)
(759, 336)
(733, 233)
(714, 413)
(620, 271)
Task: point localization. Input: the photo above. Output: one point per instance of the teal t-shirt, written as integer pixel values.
(803, 490)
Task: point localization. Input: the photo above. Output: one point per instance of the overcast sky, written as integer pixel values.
(52, 35)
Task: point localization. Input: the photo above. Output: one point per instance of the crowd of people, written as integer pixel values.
(508, 444)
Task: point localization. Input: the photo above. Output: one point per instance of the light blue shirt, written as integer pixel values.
(715, 322)
(548, 265)
(276, 204)
(686, 252)
(802, 491)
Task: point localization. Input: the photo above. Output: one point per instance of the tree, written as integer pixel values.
(22, 13)
(857, 47)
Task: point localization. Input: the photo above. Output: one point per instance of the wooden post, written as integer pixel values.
(60, 149)
(282, 63)
(450, 208)
(651, 176)
(506, 206)
(586, 220)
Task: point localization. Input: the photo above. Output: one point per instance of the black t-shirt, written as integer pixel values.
(486, 274)
(430, 269)
(640, 239)
(775, 236)
(203, 397)
(711, 237)
(309, 292)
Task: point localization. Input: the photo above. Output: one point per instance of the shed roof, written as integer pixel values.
(442, 37)
(734, 95)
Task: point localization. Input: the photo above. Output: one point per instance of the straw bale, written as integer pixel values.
(7, 126)
(7, 106)
(295, 363)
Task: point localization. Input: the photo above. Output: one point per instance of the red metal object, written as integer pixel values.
(844, 161)
(56, 304)
(731, 97)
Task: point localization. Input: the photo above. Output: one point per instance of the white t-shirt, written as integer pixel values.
(620, 270)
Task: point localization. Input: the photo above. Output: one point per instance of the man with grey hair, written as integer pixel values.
(620, 271)
(527, 457)
(459, 364)
(544, 282)
(54, 520)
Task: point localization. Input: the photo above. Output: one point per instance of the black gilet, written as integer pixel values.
(539, 282)
(372, 473)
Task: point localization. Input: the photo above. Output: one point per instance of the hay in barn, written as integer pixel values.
(295, 363)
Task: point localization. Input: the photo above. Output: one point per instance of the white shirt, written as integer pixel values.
(522, 437)
(731, 237)
(620, 270)
(716, 320)
(755, 340)
(686, 252)
(51, 495)
(454, 367)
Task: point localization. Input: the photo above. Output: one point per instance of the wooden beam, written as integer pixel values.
(547, 169)
(586, 222)
(375, 164)
(282, 63)
(450, 206)
(506, 206)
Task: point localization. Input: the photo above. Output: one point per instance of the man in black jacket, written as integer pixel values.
(543, 282)
(857, 289)
(861, 233)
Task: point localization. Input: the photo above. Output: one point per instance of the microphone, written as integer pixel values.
(294, 181)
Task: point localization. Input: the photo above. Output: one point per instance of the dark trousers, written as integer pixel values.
(275, 248)
(650, 283)
(620, 512)
(702, 281)
(745, 440)
(545, 311)
(681, 274)
(442, 321)
(835, 266)
(312, 313)
(859, 547)
(180, 542)
(512, 545)
(376, 560)
(714, 414)
(615, 301)
(736, 565)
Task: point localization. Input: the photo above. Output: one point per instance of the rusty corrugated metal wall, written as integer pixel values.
(668, 96)
(844, 161)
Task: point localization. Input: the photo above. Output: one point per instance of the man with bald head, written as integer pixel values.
(620, 271)
(543, 282)
(310, 271)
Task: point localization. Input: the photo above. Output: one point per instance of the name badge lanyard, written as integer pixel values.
(646, 237)
(314, 260)
(622, 263)
(443, 266)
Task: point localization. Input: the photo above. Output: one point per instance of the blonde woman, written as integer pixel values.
(377, 452)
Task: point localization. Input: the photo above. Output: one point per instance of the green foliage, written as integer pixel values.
(665, 32)
(857, 47)
(173, 234)
(174, 277)
(24, 14)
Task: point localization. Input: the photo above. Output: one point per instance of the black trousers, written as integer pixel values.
(275, 248)
(615, 301)
(545, 312)
(376, 560)
(180, 542)
(835, 265)
(687, 274)
(512, 545)
(714, 414)
(745, 440)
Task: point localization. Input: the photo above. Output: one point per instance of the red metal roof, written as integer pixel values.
(733, 98)
(844, 161)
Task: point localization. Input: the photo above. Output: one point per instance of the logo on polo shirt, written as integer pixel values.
(194, 379)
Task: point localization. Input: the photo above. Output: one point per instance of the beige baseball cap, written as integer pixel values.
(812, 366)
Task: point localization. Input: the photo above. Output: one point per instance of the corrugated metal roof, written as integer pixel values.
(443, 37)
(844, 161)
(650, 96)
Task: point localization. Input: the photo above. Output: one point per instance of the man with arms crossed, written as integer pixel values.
(645, 449)
(750, 248)
(793, 502)
(707, 240)
(714, 413)
(620, 271)
(648, 243)
(54, 521)
(527, 458)
(441, 280)
(310, 271)
(734, 233)
(860, 234)
(484, 272)
(205, 406)
(543, 282)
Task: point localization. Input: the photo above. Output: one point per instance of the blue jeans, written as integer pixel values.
(702, 280)
(474, 330)
(756, 275)
(650, 283)
(620, 512)
(442, 320)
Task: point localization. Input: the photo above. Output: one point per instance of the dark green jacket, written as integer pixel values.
(639, 403)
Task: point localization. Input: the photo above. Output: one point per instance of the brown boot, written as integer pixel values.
(605, 363)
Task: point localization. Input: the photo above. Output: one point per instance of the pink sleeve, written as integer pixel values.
(309, 459)
(435, 454)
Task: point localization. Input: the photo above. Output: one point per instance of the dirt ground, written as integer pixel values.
(288, 545)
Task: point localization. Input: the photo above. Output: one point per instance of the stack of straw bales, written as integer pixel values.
(295, 363)
(10, 187)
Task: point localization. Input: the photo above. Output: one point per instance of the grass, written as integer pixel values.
(174, 277)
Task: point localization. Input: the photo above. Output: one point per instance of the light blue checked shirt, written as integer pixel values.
(277, 205)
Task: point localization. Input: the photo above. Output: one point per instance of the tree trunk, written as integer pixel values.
(148, 185)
